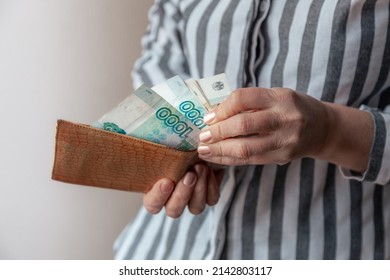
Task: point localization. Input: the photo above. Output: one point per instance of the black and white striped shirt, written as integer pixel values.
(336, 51)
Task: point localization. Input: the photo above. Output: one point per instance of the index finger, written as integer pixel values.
(240, 100)
(158, 195)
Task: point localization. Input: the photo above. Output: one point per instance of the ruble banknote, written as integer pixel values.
(146, 115)
(176, 92)
(216, 88)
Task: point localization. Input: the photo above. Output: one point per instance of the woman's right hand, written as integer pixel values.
(198, 187)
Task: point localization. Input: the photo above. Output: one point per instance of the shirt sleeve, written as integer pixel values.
(378, 170)
(162, 46)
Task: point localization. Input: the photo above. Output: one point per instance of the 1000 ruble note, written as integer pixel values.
(177, 93)
(146, 115)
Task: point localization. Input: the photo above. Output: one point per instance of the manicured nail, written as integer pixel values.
(209, 117)
(189, 178)
(204, 151)
(205, 136)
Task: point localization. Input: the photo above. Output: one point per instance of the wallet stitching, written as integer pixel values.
(124, 136)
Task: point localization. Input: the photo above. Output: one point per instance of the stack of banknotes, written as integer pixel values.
(170, 113)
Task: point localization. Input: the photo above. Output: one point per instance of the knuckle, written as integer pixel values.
(196, 210)
(235, 96)
(199, 190)
(286, 156)
(284, 94)
(243, 151)
(219, 133)
(221, 161)
(213, 200)
(279, 143)
(174, 212)
(272, 145)
(282, 162)
(245, 124)
(274, 121)
(219, 150)
(284, 159)
(181, 198)
(213, 197)
(294, 139)
(152, 204)
(152, 209)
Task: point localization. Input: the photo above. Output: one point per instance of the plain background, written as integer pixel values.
(68, 59)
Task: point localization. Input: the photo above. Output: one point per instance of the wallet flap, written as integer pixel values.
(94, 157)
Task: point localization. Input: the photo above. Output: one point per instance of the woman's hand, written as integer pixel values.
(278, 125)
(198, 187)
(260, 126)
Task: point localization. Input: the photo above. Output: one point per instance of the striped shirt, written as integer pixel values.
(336, 51)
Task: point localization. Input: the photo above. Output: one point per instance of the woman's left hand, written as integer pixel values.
(262, 126)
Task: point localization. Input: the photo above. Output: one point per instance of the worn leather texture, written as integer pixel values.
(89, 156)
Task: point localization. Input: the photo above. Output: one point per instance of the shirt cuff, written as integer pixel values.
(378, 170)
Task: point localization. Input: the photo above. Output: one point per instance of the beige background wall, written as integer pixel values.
(67, 59)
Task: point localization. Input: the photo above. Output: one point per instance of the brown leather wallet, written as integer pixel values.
(94, 157)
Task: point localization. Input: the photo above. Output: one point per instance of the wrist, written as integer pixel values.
(348, 137)
(324, 131)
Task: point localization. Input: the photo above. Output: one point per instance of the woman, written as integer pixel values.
(304, 138)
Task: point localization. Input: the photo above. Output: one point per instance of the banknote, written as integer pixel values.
(216, 88)
(198, 93)
(146, 115)
(176, 92)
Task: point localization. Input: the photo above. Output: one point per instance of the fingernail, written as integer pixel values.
(209, 117)
(166, 187)
(199, 169)
(189, 178)
(205, 136)
(204, 150)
